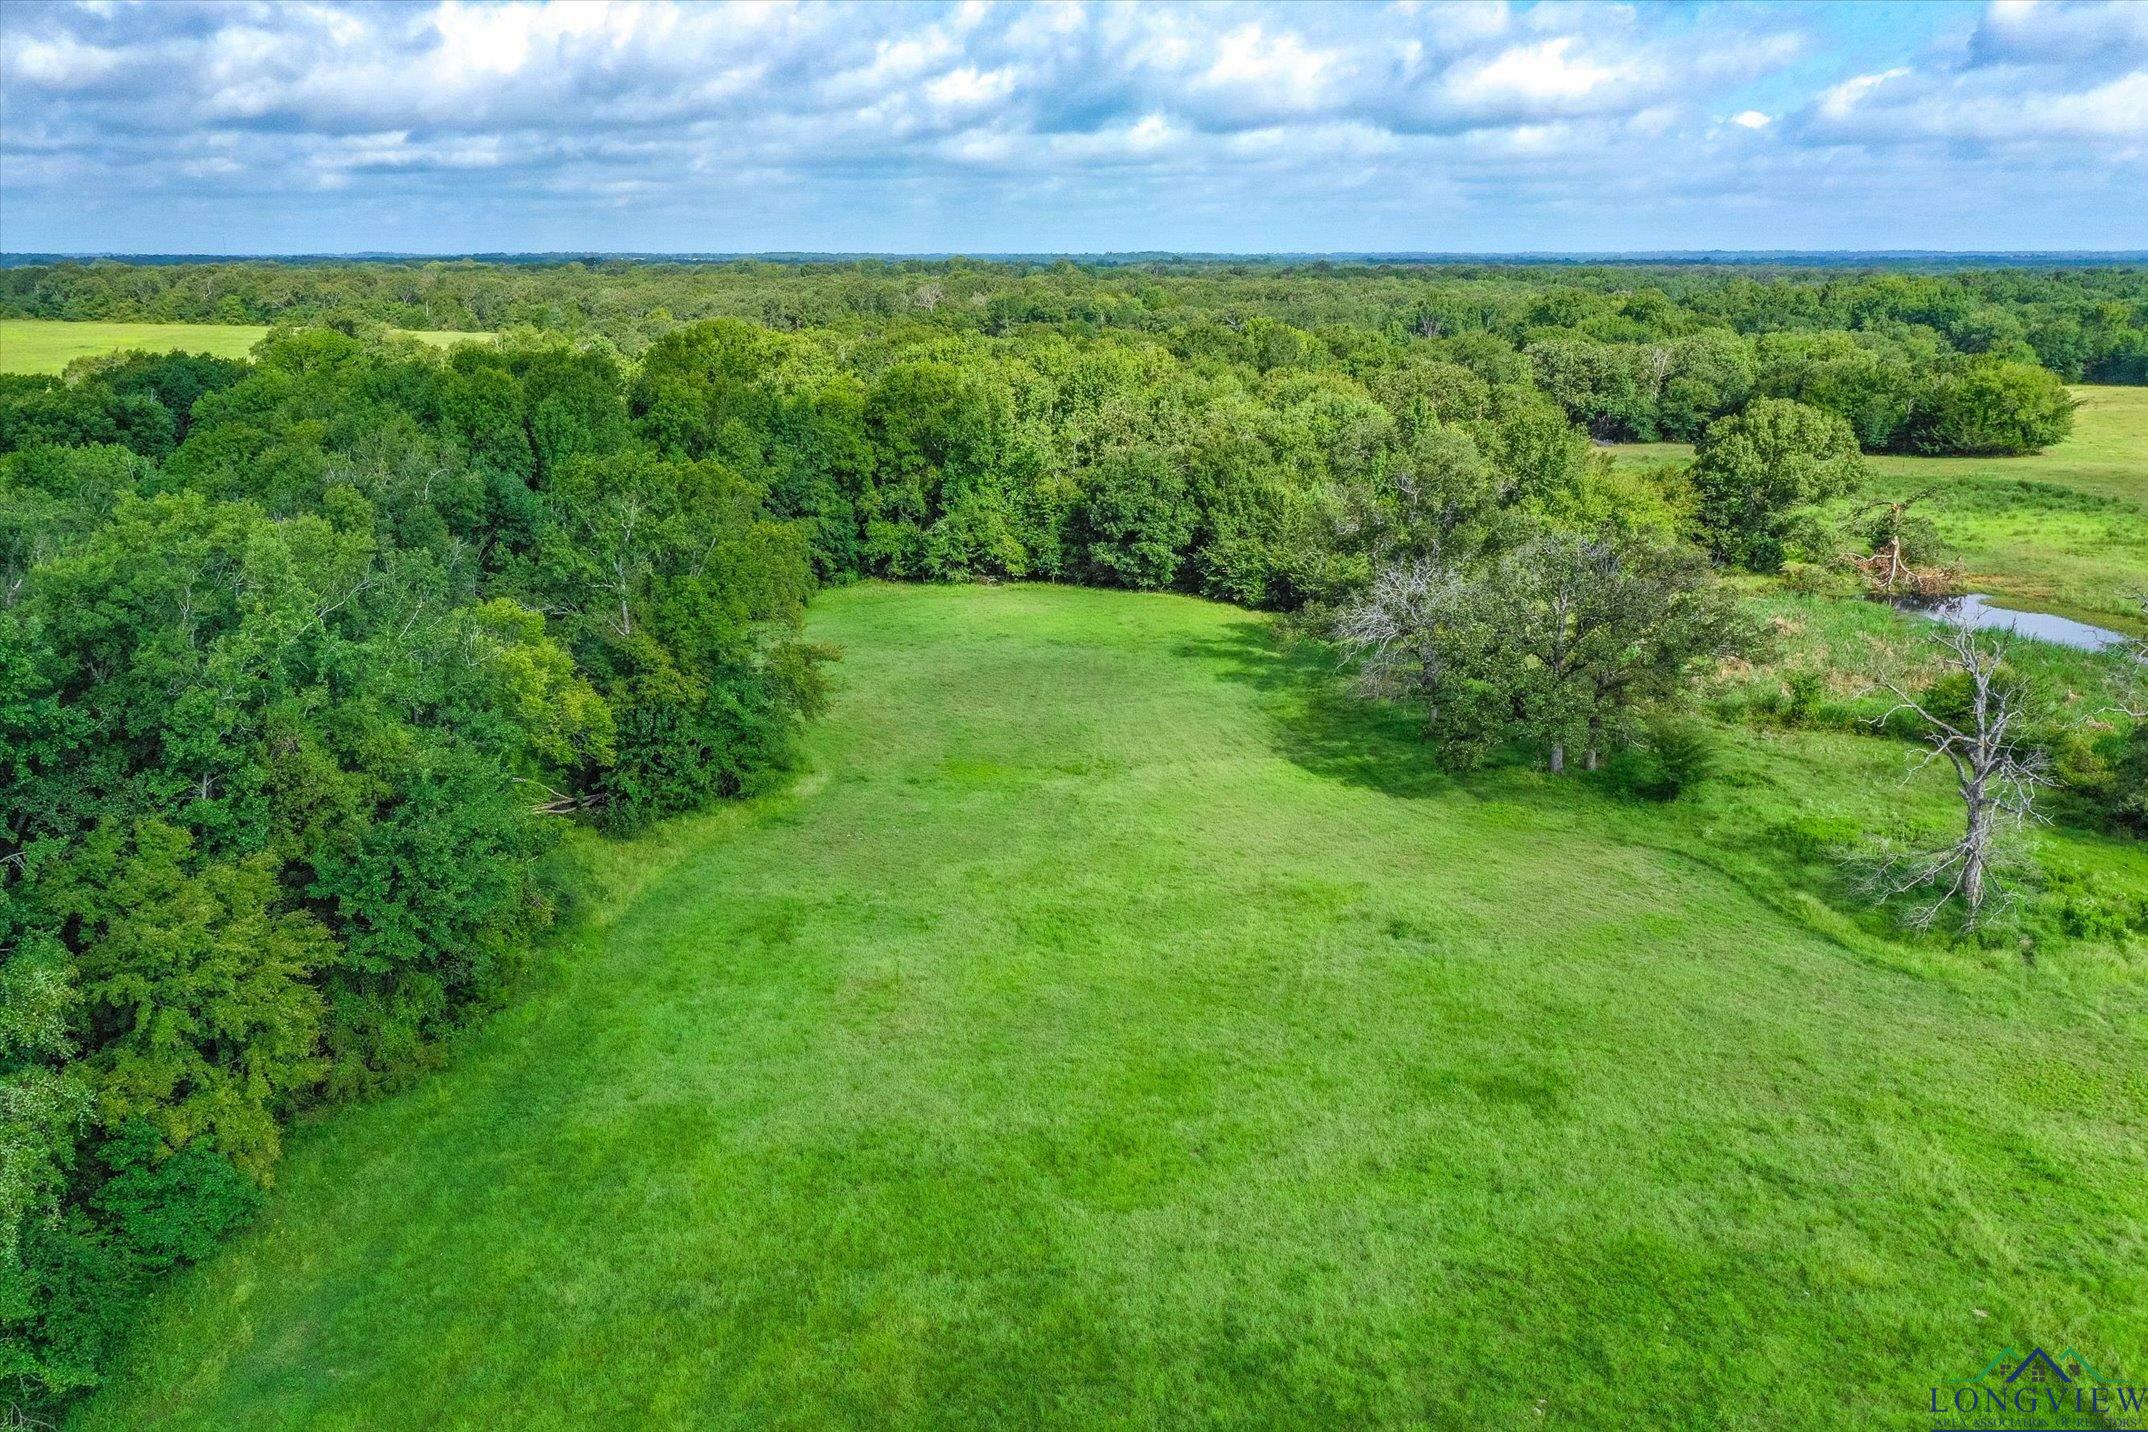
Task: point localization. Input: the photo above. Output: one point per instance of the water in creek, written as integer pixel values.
(1976, 610)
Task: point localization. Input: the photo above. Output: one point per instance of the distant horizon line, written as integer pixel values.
(18, 258)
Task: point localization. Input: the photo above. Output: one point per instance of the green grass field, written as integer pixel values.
(1113, 1026)
(36, 345)
(2063, 531)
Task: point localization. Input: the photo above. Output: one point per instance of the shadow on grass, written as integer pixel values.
(1323, 727)
(1319, 724)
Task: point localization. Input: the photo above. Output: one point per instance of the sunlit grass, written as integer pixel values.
(36, 345)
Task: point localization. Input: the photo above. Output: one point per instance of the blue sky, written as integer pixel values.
(453, 127)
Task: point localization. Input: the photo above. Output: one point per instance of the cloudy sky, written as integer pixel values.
(973, 127)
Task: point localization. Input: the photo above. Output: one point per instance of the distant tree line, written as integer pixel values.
(2083, 325)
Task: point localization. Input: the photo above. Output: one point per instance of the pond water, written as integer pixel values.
(1976, 610)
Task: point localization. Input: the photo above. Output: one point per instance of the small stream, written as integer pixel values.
(1977, 610)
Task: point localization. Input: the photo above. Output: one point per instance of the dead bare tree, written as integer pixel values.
(1997, 773)
(1396, 631)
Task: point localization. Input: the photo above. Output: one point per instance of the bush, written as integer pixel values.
(1802, 690)
(2086, 909)
(68, 1296)
(1811, 579)
(1922, 546)
(2127, 786)
(1677, 755)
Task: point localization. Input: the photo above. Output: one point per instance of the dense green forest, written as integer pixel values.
(306, 661)
(1631, 351)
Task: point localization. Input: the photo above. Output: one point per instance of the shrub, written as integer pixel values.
(2129, 780)
(166, 1207)
(1811, 579)
(2086, 909)
(1676, 754)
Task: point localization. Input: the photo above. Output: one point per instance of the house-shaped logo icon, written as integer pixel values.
(2068, 1369)
(2038, 1367)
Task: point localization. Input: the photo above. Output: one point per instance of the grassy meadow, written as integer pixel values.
(36, 345)
(2063, 531)
(1114, 1026)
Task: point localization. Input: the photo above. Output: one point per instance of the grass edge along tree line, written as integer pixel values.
(308, 659)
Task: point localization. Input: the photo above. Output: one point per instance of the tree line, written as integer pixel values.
(2083, 325)
(297, 678)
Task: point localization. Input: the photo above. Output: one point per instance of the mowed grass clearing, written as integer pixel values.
(1112, 1027)
(38, 345)
(2064, 530)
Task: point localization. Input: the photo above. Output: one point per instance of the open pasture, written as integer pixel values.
(1115, 1027)
(36, 345)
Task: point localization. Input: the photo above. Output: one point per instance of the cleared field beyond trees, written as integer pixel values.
(1115, 1027)
(36, 345)
(2064, 530)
